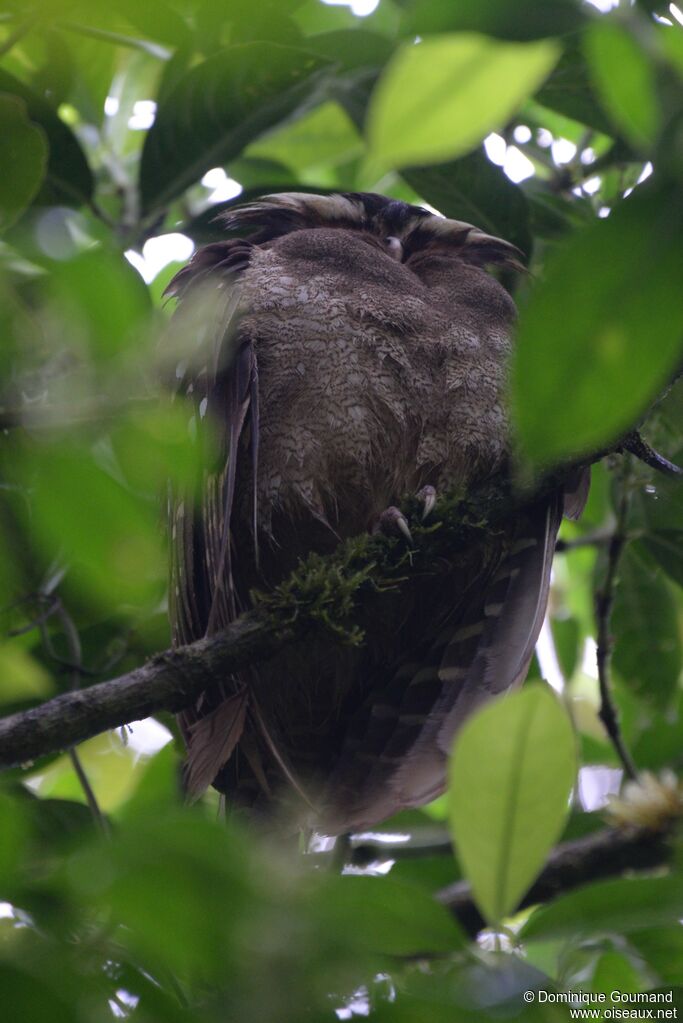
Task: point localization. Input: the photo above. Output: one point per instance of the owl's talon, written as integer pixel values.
(392, 520)
(427, 495)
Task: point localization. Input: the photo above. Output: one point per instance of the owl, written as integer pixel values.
(346, 351)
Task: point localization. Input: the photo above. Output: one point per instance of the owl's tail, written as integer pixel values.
(397, 758)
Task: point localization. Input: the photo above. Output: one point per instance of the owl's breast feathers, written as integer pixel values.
(358, 351)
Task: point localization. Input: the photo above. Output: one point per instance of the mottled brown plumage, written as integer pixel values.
(353, 350)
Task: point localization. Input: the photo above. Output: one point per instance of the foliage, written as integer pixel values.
(111, 116)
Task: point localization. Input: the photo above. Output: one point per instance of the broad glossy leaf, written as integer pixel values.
(625, 80)
(511, 774)
(647, 652)
(216, 109)
(521, 21)
(474, 190)
(69, 179)
(438, 99)
(601, 333)
(24, 159)
(619, 907)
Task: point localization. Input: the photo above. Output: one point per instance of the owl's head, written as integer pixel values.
(402, 229)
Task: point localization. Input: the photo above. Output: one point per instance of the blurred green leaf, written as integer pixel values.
(353, 48)
(567, 638)
(33, 998)
(662, 949)
(440, 98)
(615, 972)
(521, 21)
(389, 917)
(325, 136)
(100, 293)
(21, 676)
(647, 652)
(569, 90)
(159, 784)
(216, 109)
(619, 907)
(607, 296)
(14, 834)
(625, 79)
(474, 190)
(512, 770)
(69, 179)
(24, 159)
(106, 534)
(112, 769)
(666, 547)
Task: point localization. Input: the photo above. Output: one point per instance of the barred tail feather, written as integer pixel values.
(400, 761)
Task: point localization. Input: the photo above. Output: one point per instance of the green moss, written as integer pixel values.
(329, 591)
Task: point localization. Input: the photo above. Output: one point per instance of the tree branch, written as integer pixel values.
(328, 592)
(604, 854)
(169, 681)
(325, 591)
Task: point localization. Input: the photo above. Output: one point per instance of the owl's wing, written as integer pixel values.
(397, 756)
(220, 379)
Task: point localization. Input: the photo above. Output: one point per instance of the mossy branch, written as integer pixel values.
(323, 592)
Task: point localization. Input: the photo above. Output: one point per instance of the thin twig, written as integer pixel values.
(597, 538)
(73, 643)
(604, 601)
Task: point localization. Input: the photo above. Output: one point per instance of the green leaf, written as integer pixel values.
(21, 676)
(111, 767)
(69, 179)
(216, 109)
(521, 21)
(569, 90)
(439, 98)
(625, 80)
(13, 838)
(24, 159)
(474, 190)
(662, 949)
(666, 547)
(567, 637)
(101, 294)
(511, 773)
(609, 906)
(324, 137)
(389, 917)
(600, 335)
(108, 535)
(647, 652)
(353, 48)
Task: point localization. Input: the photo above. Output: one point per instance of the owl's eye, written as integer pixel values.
(394, 247)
